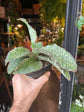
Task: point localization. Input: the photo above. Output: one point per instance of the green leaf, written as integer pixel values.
(14, 64)
(28, 65)
(32, 32)
(60, 56)
(37, 45)
(79, 25)
(67, 75)
(80, 22)
(81, 18)
(47, 58)
(16, 53)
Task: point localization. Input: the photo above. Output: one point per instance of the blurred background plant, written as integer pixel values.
(78, 96)
(52, 14)
(78, 89)
(76, 108)
(11, 10)
(50, 9)
(53, 32)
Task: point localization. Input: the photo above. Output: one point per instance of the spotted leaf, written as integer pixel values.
(66, 74)
(60, 56)
(47, 58)
(36, 45)
(16, 53)
(14, 64)
(28, 65)
(32, 32)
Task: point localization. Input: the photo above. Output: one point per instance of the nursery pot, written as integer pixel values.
(40, 72)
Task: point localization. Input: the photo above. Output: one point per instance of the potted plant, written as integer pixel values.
(23, 61)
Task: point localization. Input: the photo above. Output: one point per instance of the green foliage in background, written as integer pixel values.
(58, 39)
(76, 108)
(77, 91)
(80, 22)
(52, 8)
(11, 10)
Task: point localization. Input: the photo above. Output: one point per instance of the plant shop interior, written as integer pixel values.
(47, 17)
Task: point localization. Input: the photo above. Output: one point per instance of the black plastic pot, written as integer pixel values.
(40, 72)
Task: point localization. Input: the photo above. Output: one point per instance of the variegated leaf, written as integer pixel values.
(14, 64)
(66, 74)
(60, 56)
(28, 65)
(47, 58)
(16, 53)
(37, 45)
(32, 32)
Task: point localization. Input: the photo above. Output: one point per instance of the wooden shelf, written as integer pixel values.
(80, 60)
(6, 33)
(4, 19)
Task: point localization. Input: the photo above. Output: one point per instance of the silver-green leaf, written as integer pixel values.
(28, 65)
(16, 53)
(32, 32)
(14, 64)
(60, 56)
(64, 72)
(36, 45)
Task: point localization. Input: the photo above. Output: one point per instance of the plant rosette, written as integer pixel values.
(20, 60)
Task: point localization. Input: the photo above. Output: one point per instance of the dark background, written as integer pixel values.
(28, 3)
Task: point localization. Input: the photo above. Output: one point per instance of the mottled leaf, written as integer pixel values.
(16, 53)
(14, 64)
(37, 45)
(60, 56)
(32, 32)
(64, 72)
(28, 65)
